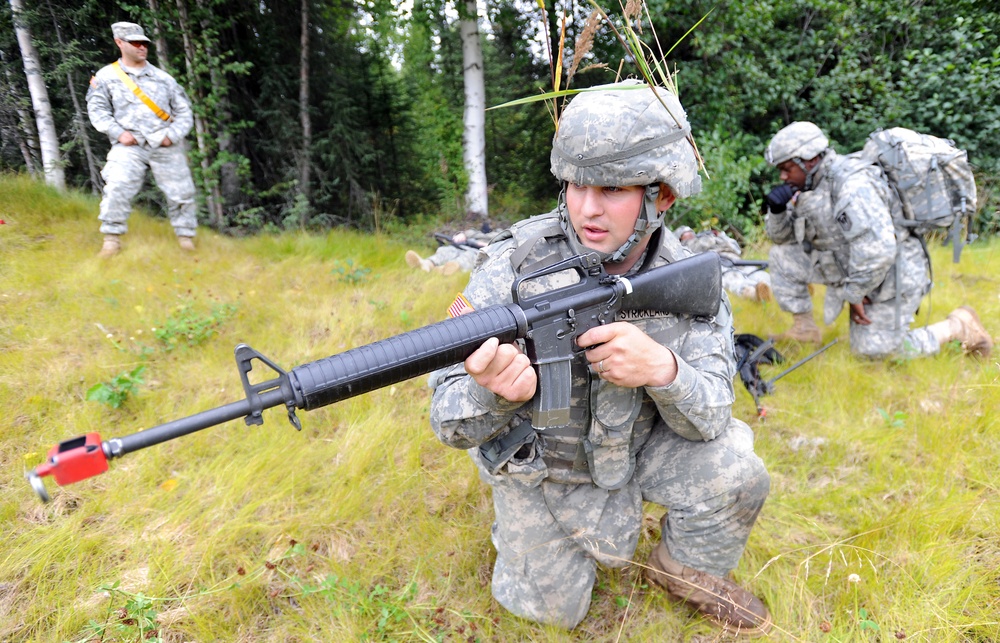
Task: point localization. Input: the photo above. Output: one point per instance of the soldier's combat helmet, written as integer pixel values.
(621, 135)
(798, 143)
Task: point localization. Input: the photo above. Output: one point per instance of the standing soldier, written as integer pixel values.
(146, 115)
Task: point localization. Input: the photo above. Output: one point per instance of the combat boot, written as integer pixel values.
(186, 243)
(963, 325)
(804, 329)
(414, 260)
(449, 268)
(723, 602)
(112, 244)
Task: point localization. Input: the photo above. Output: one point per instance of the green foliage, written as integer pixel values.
(189, 327)
(133, 623)
(116, 391)
(895, 421)
(348, 273)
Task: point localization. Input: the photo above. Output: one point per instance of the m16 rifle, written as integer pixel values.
(549, 323)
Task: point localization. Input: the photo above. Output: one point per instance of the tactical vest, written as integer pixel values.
(607, 424)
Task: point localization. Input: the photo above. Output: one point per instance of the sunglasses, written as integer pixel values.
(138, 43)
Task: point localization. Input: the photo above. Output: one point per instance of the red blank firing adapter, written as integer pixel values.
(71, 461)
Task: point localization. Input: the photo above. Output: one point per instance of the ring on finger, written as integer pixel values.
(600, 366)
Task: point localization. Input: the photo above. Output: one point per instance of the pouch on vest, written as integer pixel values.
(829, 267)
(613, 410)
(500, 449)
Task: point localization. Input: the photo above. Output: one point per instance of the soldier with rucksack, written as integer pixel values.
(837, 220)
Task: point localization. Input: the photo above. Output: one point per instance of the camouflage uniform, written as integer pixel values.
(572, 497)
(735, 279)
(114, 109)
(465, 255)
(841, 234)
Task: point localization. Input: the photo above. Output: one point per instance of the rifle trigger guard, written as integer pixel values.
(244, 356)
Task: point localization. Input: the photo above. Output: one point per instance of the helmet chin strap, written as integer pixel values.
(648, 221)
(810, 174)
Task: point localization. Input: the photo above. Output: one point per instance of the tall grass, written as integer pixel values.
(882, 521)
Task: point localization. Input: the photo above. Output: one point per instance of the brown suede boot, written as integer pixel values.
(804, 329)
(723, 602)
(186, 243)
(764, 292)
(963, 325)
(112, 244)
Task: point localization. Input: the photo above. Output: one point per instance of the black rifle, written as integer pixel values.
(445, 240)
(744, 262)
(549, 323)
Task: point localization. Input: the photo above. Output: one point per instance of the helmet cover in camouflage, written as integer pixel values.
(800, 140)
(128, 31)
(622, 134)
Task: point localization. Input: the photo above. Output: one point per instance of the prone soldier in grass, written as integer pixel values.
(739, 277)
(146, 116)
(651, 395)
(831, 221)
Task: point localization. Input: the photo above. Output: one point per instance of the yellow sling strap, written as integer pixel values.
(139, 93)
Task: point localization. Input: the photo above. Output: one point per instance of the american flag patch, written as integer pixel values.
(93, 82)
(460, 306)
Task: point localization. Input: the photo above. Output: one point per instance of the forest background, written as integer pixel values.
(376, 138)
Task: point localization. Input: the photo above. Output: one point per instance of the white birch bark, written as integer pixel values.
(474, 119)
(48, 140)
(305, 167)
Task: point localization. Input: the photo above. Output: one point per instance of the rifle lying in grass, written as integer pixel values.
(549, 323)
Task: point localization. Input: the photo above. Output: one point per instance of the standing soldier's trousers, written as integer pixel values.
(123, 175)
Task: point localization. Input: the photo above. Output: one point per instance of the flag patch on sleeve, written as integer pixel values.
(460, 306)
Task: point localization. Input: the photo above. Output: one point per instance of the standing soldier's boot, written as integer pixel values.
(723, 602)
(111, 246)
(803, 329)
(963, 325)
(186, 243)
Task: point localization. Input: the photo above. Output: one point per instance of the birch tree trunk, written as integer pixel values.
(474, 119)
(47, 138)
(305, 165)
(159, 39)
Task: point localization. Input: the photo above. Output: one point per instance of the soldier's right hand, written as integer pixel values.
(503, 369)
(779, 196)
(126, 138)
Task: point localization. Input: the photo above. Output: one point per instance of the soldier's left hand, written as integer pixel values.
(624, 355)
(166, 142)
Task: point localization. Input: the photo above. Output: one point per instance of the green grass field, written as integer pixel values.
(883, 521)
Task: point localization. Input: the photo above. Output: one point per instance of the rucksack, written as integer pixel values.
(932, 178)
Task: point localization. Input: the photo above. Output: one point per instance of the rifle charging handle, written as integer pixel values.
(70, 461)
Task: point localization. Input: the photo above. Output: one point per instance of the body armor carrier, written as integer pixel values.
(595, 447)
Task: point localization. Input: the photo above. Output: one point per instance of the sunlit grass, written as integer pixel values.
(884, 492)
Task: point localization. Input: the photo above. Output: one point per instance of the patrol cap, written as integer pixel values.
(626, 134)
(681, 231)
(128, 31)
(801, 139)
